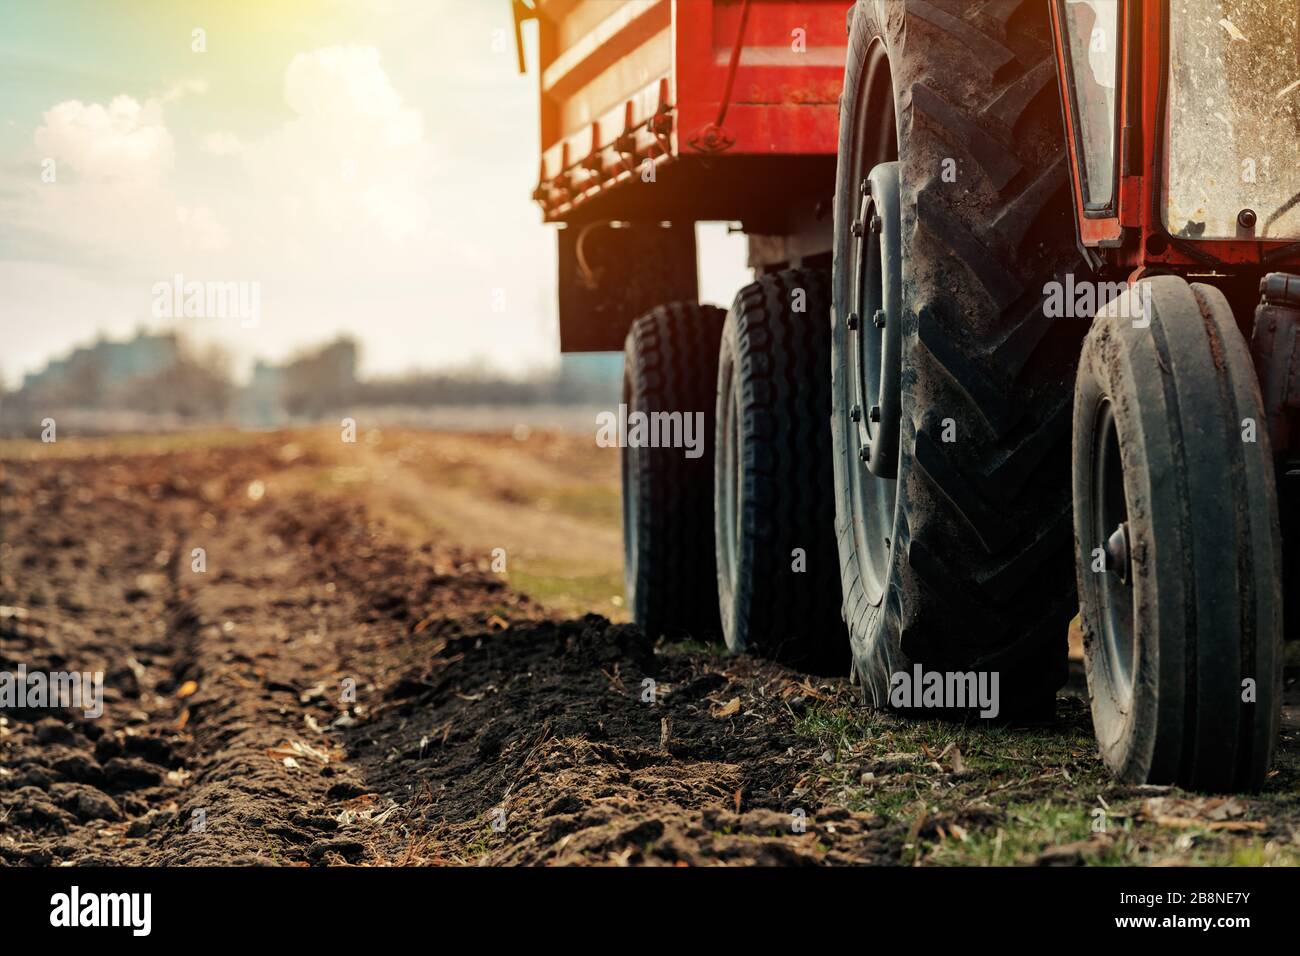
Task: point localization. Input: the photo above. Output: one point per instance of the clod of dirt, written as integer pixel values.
(350, 850)
(88, 803)
(130, 773)
(79, 768)
(53, 731)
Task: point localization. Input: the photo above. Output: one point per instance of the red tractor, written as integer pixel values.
(998, 243)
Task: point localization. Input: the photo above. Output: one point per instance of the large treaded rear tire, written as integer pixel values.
(670, 364)
(778, 570)
(977, 573)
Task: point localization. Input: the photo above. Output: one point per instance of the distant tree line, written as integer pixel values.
(161, 374)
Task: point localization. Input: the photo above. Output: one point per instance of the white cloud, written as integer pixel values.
(355, 154)
(111, 198)
(122, 142)
(222, 143)
(347, 83)
(347, 178)
(205, 232)
(388, 206)
(185, 88)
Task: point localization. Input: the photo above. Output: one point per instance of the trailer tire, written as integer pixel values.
(1178, 544)
(955, 541)
(670, 364)
(774, 512)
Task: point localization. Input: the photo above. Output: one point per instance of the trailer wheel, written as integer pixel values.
(951, 388)
(778, 571)
(1179, 548)
(670, 365)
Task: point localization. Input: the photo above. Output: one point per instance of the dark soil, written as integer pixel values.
(322, 693)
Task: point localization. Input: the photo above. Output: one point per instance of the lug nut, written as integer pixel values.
(879, 318)
(855, 413)
(853, 321)
(856, 228)
(875, 223)
(864, 453)
(875, 413)
(865, 187)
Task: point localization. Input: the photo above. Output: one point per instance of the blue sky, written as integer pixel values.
(368, 162)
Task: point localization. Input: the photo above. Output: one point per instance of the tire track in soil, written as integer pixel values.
(83, 589)
(228, 736)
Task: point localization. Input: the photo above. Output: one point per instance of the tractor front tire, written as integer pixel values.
(1178, 543)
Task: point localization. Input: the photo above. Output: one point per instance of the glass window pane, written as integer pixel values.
(1091, 28)
(1233, 140)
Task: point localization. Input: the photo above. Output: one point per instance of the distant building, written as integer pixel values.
(92, 371)
(304, 387)
(261, 405)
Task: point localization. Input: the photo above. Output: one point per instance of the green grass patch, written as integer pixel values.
(1024, 795)
(597, 503)
(568, 591)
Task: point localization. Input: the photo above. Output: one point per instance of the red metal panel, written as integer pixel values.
(769, 90)
(1141, 243)
(788, 76)
(1093, 232)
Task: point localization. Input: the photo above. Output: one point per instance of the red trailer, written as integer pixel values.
(656, 114)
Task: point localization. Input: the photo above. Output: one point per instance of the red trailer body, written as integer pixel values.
(656, 114)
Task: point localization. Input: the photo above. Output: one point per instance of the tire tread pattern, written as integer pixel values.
(979, 354)
(670, 365)
(780, 359)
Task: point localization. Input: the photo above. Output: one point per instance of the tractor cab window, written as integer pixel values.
(1233, 133)
(1092, 41)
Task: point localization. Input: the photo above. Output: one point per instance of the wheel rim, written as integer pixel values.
(871, 484)
(1110, 534)
(631, 498)
(729, 486)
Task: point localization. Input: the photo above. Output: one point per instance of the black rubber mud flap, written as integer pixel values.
(608, 276)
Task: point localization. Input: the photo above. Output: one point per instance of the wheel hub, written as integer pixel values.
(868, 329)
(1111, 530)
(876, 345)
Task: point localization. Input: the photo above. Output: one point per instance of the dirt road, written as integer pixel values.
(344, 678)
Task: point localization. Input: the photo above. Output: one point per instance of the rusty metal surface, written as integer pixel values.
(1133, 238)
